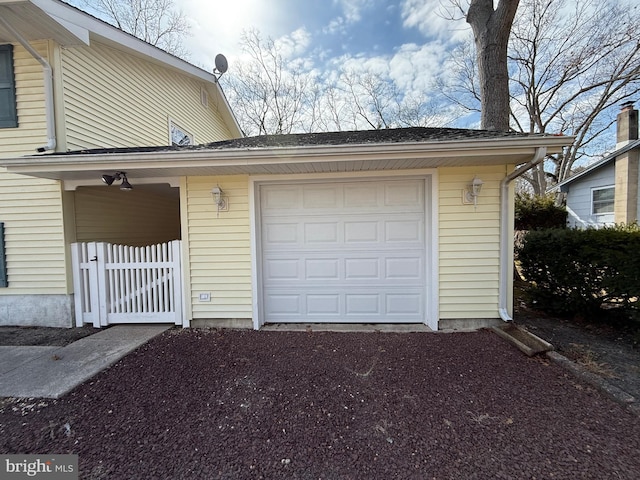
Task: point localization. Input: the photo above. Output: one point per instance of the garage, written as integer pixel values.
(345, 251)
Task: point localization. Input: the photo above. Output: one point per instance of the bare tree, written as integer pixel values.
(491, 29)
(575, 60)
(157, 22)
(571, 63)
(274, 93)
(270, 94)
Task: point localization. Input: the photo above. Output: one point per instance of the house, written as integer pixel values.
(409, 225)
(70, 82)
(606, 192)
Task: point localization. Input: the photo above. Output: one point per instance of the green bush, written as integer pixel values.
(583, 272)
(534, 212)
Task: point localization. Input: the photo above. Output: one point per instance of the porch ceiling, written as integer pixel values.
(35, 24)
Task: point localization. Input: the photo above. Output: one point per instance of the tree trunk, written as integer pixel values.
(491, 29)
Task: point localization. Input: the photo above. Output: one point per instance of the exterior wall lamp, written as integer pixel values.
(471, 192)
(125, 185)
(219, 199)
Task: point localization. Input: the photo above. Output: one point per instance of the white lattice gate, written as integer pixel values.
(123, 284)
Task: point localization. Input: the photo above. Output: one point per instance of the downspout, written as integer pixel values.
(506, 230)
(48, 87)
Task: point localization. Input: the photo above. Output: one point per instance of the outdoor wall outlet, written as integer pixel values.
(205, 297)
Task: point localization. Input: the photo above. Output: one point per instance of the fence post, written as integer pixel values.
(101, 283)
(76, 271)
(176, 254)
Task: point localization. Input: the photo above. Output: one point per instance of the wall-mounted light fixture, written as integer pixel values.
(219, 199)
(471, 192)
(125, 185)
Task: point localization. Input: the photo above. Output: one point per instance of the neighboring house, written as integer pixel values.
(388, 226)
(71, 82)
(606, 192)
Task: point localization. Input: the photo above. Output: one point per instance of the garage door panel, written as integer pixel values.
(321, 232)
(358, 269)
(404, 268)
(403, 194)
(344, 252)
(283, 198)
(359, 195)
(403, 231)
(324, 305)
(362, 268)
(357, 306)
(322, 269)
(277, 234)
(282, 269)
(362, 231)
(320, 197)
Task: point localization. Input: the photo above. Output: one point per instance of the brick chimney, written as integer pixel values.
(627, 125)
(626, 166)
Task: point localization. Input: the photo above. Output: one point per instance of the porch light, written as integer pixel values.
(471, 192)
(125, 185)
(219, 199)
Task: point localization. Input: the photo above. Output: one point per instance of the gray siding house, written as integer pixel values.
(606, 192)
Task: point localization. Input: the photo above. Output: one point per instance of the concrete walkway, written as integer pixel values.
(51, 372)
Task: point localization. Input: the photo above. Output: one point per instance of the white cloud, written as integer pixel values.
(414, 68)
(217, 26)
(352, 8)
(435, 18)
(294, 44)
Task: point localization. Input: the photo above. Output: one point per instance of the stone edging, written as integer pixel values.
(615, 393)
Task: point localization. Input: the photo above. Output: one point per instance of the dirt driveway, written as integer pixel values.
(243, 404)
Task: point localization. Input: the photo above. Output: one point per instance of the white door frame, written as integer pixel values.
(430, 177)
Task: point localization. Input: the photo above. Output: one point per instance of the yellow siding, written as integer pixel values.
(469, 244)
(32, 129)
(219, 248)
(138, 217)
(116, 100)
(34, 235)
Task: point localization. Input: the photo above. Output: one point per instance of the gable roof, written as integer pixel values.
(351, 151)
(72, 27)
(597, 165)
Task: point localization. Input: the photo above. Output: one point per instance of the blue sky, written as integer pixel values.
(355, 27)
(327, 31)
(408, 41)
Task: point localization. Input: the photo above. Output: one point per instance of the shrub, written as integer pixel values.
(534, 212)
(583, 271)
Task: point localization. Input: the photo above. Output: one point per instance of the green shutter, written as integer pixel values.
(8, 112)
(4, 282)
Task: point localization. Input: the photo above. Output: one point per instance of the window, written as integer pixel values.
(8, 112)
(602, 200)
(178, 136)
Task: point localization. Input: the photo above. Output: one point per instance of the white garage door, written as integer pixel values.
(344, 251)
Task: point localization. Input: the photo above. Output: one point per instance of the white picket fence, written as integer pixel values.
(124, 284)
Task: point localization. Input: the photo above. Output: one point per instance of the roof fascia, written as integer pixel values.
(60, 11)
(600, 163)
(466, 149)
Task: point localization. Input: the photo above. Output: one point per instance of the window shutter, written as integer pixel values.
(4, 281)
(8, 112)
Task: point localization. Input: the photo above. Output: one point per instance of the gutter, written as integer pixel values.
(48, 87)
(505, 231)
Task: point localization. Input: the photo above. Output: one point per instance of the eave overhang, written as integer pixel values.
(87, 168)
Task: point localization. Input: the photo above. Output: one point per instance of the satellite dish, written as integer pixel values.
(221, 64)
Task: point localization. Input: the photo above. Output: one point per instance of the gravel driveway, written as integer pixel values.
(233, 404)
